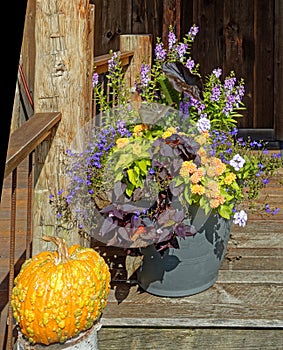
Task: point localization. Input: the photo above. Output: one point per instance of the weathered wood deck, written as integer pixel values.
(243, 310)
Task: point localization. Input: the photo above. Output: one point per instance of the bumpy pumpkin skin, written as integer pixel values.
(53, 302)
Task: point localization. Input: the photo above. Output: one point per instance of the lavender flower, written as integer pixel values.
(94, 79)
(193, 32)
(181, 51)
(171, 39)
(190, 64)
(216, 92)
(217, 72)
(145, 75)
(160, 52)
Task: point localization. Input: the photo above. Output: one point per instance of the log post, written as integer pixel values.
(64, 37)
(141, 44)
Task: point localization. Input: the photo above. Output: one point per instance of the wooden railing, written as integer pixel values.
(101, 62)
(22, 144)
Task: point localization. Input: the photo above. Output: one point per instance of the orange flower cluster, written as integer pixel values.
(204, 180)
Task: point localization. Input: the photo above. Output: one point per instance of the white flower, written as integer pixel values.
(237, 162)
(240, 218)
(203, 124)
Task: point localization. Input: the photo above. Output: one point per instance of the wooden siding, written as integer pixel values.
(239, 36)
(125, 17)
(243, 36)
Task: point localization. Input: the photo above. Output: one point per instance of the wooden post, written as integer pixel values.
(142, 46)
(63, 82)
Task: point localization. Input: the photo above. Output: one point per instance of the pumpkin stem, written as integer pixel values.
(62, 249)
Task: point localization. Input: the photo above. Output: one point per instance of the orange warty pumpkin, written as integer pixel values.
(59, 294)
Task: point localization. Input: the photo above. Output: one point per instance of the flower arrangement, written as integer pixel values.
(140, 170)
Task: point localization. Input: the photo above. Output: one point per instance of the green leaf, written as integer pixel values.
(187, 194)
(133, 176)
(119, 177)
(225, 211)
(130, 189)
(143, 165)
(178, 181)
(172, 96)
(123, 161)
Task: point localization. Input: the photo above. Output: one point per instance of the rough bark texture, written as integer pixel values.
(63, 70)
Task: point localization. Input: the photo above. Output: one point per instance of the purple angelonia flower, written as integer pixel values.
(190, 64)
(144, 74)
(171, 40)
(113, 62)
(94, 79)
(184, 107)
(193, 32)
(216, 92)
(217, 72)
(229, 83)
(181, 51)
(160, 52)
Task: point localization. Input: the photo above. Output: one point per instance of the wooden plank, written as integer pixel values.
(260, 234)
(252, 305)
(263, 57)
(241, 262)
(10, 62)
(171, 17)
(208, 48)
(238, 28)
(190, 338)
(28, 136)
(3, 325)
(250, 276)
(147, 18)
